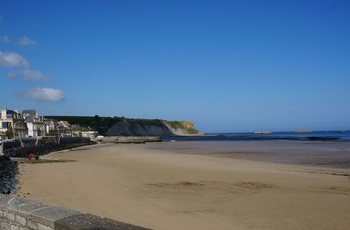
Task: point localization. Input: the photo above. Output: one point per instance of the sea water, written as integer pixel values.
(317, 148)
(287, 135)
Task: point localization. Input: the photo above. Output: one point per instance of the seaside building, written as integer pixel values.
(13, 120)
(30, 124)
(27, 124)
(35, 123)
(49, 125)
(61, 128)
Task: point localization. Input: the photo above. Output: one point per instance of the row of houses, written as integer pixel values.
(30, 124)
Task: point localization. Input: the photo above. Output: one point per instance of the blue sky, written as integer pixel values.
(247, 65)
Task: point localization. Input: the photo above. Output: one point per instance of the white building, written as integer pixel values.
(27, 124)
(13, 120)
(35, 123)
(49, 125)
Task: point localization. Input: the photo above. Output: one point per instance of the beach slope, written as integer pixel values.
(167, 190)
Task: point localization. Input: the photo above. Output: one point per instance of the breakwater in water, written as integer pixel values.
(8, 175)
(129, 139)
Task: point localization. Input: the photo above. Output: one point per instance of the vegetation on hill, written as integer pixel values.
(182, 125)
(102, 124)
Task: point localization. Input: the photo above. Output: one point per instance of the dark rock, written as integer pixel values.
(8, 175)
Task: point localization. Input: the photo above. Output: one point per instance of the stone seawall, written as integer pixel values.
(23, 214)
(42, 146)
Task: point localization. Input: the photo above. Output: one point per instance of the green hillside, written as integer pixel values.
(100, 124)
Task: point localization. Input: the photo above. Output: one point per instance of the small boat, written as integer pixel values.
(262, 132)
(303, 131)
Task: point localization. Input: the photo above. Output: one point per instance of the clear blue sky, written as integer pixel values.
(248, 65)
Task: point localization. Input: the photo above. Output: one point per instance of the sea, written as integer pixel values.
(302, 135)
(312, 148)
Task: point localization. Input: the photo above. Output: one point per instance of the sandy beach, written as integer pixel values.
(186, 185)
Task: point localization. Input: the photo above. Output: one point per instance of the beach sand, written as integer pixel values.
(174, 186)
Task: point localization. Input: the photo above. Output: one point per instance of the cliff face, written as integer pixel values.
(144, 127)
(181, 127)
(121, 126)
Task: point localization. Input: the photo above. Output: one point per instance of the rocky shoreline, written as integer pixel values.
(24, 148)
(8, 175)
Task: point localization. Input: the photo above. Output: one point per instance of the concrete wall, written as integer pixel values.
(23, 214)
(129, 139)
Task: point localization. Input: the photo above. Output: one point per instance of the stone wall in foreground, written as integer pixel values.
(23, 214)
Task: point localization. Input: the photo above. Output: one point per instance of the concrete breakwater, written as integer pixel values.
(18, 213)
(130, 139)
(8, 175)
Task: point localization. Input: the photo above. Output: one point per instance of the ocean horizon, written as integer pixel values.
(302, 135)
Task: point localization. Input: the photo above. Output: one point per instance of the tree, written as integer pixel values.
(97, 118)
(9, 133)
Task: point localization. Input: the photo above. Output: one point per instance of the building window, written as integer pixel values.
(5, 125)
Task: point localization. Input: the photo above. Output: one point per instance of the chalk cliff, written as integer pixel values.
(145, 127)
(121, 126)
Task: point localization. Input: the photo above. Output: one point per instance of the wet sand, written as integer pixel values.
(335, 154)
(191, 185)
